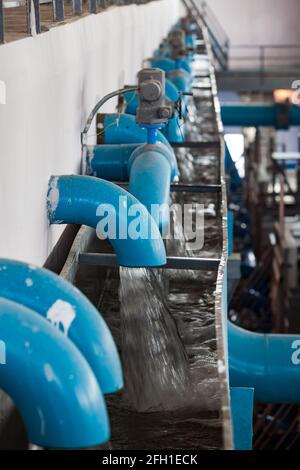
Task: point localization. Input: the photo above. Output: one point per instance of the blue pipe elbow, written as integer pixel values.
(67, 309)
(99, 204)
(152, 168)
(50, 382)
(269, 363)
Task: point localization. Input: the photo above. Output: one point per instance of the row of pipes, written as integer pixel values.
(61, 350)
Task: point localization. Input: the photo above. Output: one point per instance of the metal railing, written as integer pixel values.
(264, 57)
(214, 27)
(218, 39)
(30, 11)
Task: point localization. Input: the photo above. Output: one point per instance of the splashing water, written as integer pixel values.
(154, 360)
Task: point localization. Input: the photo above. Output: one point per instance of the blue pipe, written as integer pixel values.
(109, 161)
(78, 199)
(269, 363)
(152, 168)
(180, 77)
(175, 129)
(263, 115)
(66, 308)
(168, 64)
(50, 382)
(122, 129)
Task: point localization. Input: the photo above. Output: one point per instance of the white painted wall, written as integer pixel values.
(259, 21)
(52, 82)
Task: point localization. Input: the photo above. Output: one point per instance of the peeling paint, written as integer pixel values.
(61, 315)
(53, 195)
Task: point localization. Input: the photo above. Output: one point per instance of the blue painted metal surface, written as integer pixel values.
(86, 200)
(175, 130)
(230, 232)
(122, 129)
(152, 134)
(152, 169)
(168, 64)
(109, 161)
(242, 417)
(269, 363)
(254, 115)
(181, 79)
(230, 168)
(66, 308)
(50, 382)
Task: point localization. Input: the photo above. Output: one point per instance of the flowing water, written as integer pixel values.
(154, 359)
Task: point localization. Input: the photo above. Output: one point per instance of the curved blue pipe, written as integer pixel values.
(87, 200)
(50, 382)
(269, 363)
(151, 170)
(67, 309)
(259, 115)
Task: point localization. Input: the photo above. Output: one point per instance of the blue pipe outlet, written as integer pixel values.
(87, 200)
(66, 308)
(269, 363)
(50, 382)
(151, 171)
(277, 115)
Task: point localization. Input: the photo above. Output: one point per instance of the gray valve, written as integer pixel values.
(153, 109)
